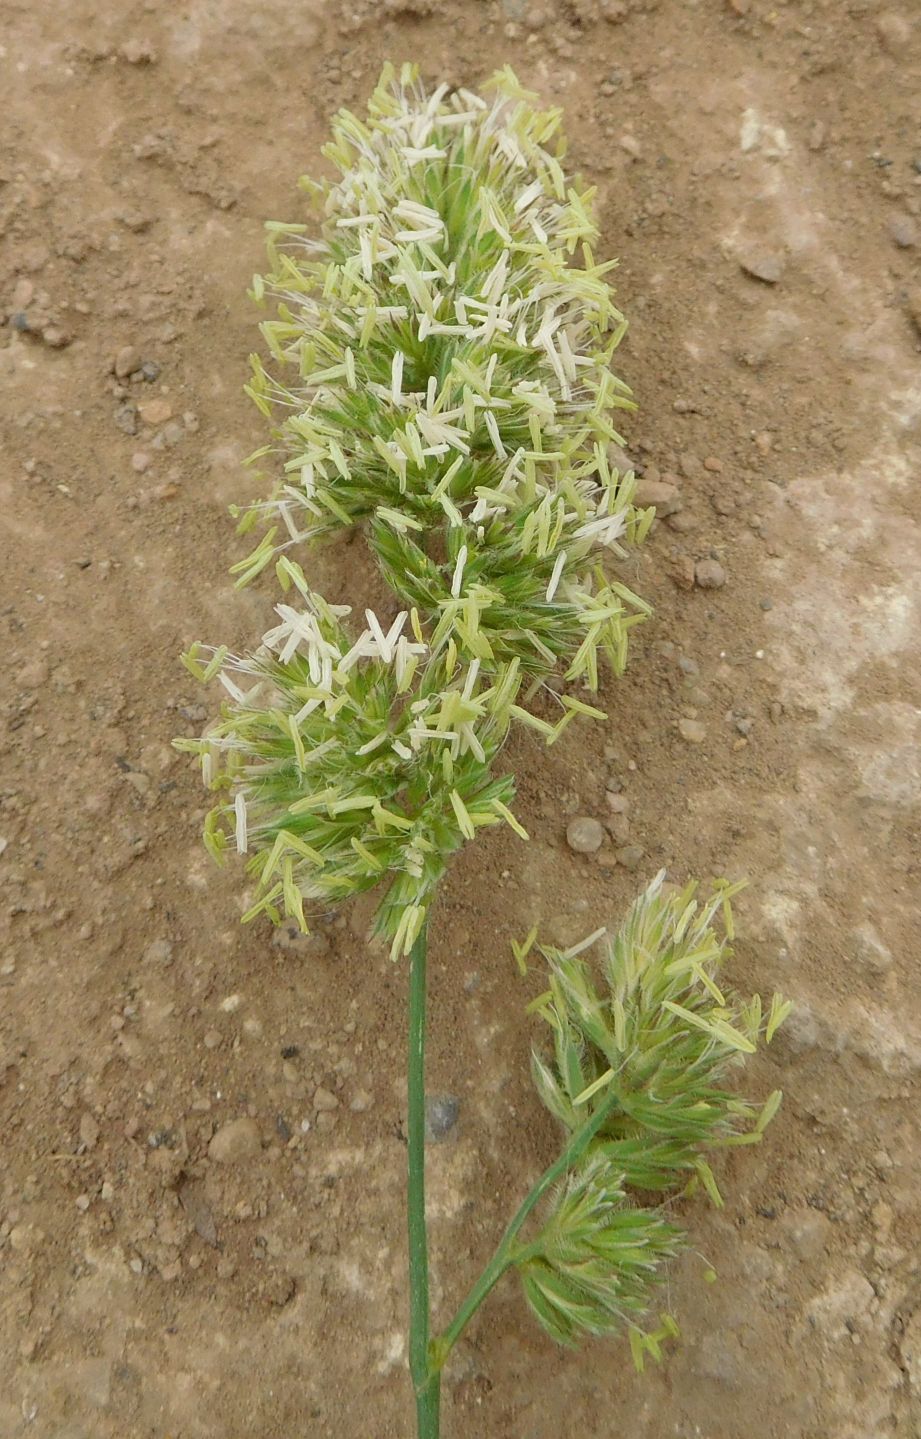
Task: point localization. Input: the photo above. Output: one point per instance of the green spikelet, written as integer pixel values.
(593, 1266)
(659, 1033)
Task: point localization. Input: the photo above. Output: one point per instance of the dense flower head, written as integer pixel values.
(642, 1061)
(658, 1037)
(440, 368)
(347, 759)
(439, 374)
(593, 1265)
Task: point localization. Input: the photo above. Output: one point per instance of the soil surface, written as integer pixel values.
(759, 175)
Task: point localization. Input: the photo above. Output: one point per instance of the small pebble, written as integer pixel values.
(664, 496)
(584, 834)
(289, 937)
(236, 1140)
(762, 263)
(23, 293)
(324, 1100)
(709, 575)
(630, 856)
(441, 1116)
(159, 951)
(903, 231)
(126, 362)
(25, 1238)
(155, 412)
(171, 435)
(870, 951)
(89, 1131)
(692, 731)
(140, 461)
(126, 419)
(33, 674)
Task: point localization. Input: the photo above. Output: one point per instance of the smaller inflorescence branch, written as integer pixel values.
(641, 1047)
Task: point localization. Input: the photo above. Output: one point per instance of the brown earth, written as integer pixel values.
(148, 1290)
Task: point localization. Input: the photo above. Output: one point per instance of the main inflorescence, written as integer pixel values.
(439, 374)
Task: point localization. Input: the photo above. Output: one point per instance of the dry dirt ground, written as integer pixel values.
(759, 174)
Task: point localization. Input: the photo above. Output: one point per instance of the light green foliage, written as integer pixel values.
(650, 1048)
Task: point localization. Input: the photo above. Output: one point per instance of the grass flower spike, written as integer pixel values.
(593, 1266)
(641, 1064)
(440, 368)
(348, 762)
(659, 1040)
(439, 376)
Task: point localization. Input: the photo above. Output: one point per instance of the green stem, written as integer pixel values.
(507, 1253)
(427, 1382)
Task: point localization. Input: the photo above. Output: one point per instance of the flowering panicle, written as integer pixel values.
(661, 1035)
(347, 761)
(440, 365)
(440, 373)
(646, 1056)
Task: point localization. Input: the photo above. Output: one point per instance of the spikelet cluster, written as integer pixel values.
(593, 1266)
(649, 1048)
(438, 373)
(344, 762)
(440, 367)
